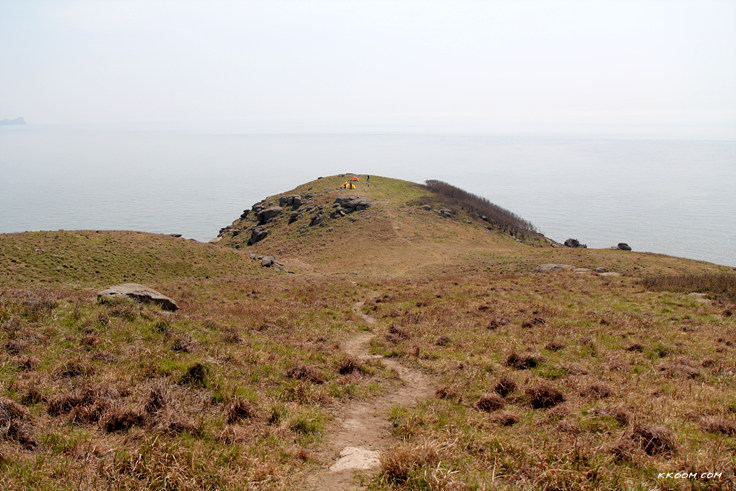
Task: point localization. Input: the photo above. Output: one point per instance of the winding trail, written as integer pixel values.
(363, 429)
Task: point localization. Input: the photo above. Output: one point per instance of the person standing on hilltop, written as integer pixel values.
(368, 180)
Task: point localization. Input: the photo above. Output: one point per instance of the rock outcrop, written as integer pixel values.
(257, 235)
(574, 243)
(352, 203)
(268, 215)
(139, 293)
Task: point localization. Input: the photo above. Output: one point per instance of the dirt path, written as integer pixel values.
(363, 429)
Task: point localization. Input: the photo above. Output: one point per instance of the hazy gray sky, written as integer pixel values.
(666, 65)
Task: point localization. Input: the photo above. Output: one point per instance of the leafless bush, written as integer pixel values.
(719, 424)
(498, 217)
(490, 402)
(718, 284)
(449, 393)
(505, 386)
(240, 409)
(120, 419)
(303, 372)
(544, 396)
(506, 418)
(349, 365)
(522, 362)
(157, 399)
(398, 464)
(654, 439)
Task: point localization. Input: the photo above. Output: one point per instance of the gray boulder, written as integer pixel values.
(267, 261)
(267, 215)
(257, 235)
(574, 243)
(139, 293)
(623, 246)
(316, 219)
(295, 201)
(352, 203)
(294, 216)
(445, 213)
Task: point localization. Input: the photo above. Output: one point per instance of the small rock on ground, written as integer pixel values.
(355, 458)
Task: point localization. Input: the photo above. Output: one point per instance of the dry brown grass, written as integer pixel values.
(349, 364)
(544, 396)
(723, 285)
(490, 402)
(303, 372)
(398, 464)
(240, 409)
(72, 363)
(505, 386)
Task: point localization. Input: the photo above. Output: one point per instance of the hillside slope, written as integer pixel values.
(407, 229)
(406, 318)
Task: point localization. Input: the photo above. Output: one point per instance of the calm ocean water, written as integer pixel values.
(674, 197)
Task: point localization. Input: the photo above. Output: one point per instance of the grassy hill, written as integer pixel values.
(569, 379)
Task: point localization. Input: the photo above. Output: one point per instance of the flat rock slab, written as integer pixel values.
(139, 293)
(356, 458)
(548, 268)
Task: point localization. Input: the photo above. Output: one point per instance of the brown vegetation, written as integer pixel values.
(544, 396)
(500, 218)
(722, 285)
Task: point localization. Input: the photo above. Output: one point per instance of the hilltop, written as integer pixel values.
(415, 338)
(402, 228)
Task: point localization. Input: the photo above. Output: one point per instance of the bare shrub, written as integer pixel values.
(14, 424)
(349, 365)
(303, 372)
(184, 345)
(442, 341)
(654, 439)
(74, 368)
(158, 398)
(11, 411)
(240, 409)
(544, 396)
(718, 424)
(64, 404)
(723, 284)
(16, 347)
(505, 386)
(522, 362)
(554, 346)
(33, 396)
(498, 217)
(597, 391)
(506, 418)
(448, 393)
(398, 464)
(91, 413)
(396, 334)
(490, 402)
(29, 364)
(120, 419)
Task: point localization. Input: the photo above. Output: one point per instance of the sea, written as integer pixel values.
(670, 196)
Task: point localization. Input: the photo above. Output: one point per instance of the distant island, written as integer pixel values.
(8, 122)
